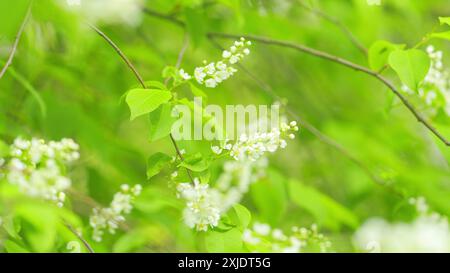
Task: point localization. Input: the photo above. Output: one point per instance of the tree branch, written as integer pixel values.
(344, 62)
(85, 243)
(16, 42)
(309, 127)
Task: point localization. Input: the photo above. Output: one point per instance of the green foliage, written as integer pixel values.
(270, 197)
(143, 101)
(327, 211)
(161, 121)
(379, 53)
(411, 66)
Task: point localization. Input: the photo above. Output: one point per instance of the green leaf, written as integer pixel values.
(29, 87)
(161, 121)
(379, 53)
(241, 216)
(195, 163)
(270, 198)
(156, 163)
(229, 241)
(410, 65)
(12, 227)
(441, 35)
(326, 211)
(143, 101)
(444, 20)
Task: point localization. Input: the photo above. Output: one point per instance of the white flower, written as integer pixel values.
(201, 211)
(226, 54)
(109, 218)
(37, 167)
(435, 88)
(108, 11)
(184, 75)
(216, 149)
(210, 83)
(254, 146)
(425, 234)
(260, 236)
(261, 229)
(199, 74)
(236, 178)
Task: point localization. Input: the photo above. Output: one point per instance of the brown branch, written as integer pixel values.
(121, 54)
(138, 76)
(336, 22)
(344, 62)
(78, 235)
(16, 42)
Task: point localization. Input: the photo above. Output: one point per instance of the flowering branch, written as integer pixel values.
(316, 132)
(313, 130)
(16, 42)
(139, 77)
(344, 62)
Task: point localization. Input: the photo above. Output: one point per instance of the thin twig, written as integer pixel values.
(344, 62)
(16, 42)
(85, 243)
(267, 88)
(140, 79)
(121, 54)
(336, 22)
(177, 65)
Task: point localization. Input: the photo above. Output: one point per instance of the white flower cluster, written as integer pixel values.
(211, 74)
(38, 168)
(109, 218)
(108, 11)
(262, 238)
(236, 178)
(205, 204)
(435, 88)
(427, 233)
(202, 205)
(257, 144)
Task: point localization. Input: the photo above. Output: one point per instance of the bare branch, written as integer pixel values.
(121, 54)
(344, 62)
